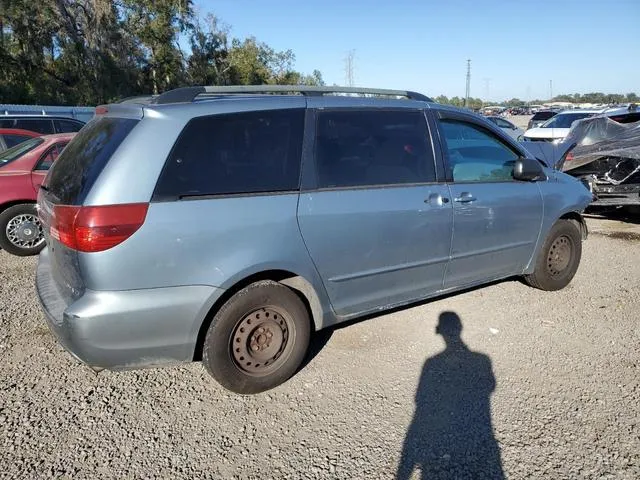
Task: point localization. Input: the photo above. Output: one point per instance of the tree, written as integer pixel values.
(72, 52)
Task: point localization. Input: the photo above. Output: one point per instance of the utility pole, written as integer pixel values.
(468, 91)
(349, 67)
(550, 89)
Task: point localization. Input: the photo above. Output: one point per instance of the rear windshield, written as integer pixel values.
(543, 115)
(16, 152)
(82, 161)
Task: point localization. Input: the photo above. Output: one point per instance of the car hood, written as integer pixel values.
(546, 132)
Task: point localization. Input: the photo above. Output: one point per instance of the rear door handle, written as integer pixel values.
(465, 197)
(436, 199)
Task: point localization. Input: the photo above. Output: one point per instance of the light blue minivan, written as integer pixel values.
(226, 224)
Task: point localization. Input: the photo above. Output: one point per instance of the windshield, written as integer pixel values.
(564, 120)
(16, 152)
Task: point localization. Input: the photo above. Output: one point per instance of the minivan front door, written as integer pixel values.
(497, 219)
(377, 224)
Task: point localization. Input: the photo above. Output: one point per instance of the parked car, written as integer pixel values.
(539, 117)
(43, 124)
(10, 137)
(507, 127)
(226, 228)
(557, 127)
(22, 170)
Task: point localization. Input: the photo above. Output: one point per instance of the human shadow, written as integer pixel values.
(451, 436)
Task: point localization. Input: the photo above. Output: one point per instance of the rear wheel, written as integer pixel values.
(21, 231)
(558, 261)
(258, 338)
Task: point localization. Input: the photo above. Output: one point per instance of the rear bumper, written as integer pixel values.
(125, 329)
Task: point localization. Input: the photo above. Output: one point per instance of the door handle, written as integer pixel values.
(436, 199)
(465, 197)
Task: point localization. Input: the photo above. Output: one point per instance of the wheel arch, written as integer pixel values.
(13, 203)
(579, 221)
(572, 215)
(300, 285)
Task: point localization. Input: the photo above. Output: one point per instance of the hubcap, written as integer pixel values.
(559, 255)
(260, 342)
(25, 231)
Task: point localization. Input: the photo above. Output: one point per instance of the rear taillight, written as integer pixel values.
(96, 228)
(569, 157)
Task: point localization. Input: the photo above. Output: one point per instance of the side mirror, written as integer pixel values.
(528, 170)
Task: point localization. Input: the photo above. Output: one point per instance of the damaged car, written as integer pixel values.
(604, 153)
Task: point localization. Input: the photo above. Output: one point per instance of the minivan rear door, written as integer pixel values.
(373, 215)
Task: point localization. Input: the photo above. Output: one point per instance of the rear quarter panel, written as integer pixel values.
(16, 186)
(215, 242)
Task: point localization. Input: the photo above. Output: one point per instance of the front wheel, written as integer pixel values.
(21, 230)
(559, 258)
(258, 338)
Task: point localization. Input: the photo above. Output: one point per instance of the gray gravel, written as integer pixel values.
(566, 402)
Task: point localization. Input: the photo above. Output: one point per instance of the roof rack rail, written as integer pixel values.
(189, 94)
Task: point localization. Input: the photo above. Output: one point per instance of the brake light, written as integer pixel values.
(569, 157)
(96, 228)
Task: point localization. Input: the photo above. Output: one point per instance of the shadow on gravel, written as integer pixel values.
(451, 435)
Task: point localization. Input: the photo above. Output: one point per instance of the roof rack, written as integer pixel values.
(189, 94)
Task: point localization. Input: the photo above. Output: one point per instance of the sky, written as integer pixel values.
(515, 46)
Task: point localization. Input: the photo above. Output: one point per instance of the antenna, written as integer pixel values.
(468, 90)
(349, 67)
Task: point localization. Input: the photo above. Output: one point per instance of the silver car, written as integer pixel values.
(226, 224)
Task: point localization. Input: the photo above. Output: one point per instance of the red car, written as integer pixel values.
(10, 137)
(22, 171)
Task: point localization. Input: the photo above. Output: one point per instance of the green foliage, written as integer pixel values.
(474, 103)
(87, 52)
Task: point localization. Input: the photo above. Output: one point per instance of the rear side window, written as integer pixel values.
(373, 147)
(249, 152)
(66, 126)
(50, 156)
(40, 125)
(82, 161)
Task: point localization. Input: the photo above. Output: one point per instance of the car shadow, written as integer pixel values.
(451, 434)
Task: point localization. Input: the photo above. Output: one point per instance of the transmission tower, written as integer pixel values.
(349, 67)
(468, 91)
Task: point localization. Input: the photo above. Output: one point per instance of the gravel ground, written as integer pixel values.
(541, 385)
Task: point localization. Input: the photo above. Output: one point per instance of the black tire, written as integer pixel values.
(559, 257)
(31, 247)
(245, 359)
